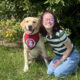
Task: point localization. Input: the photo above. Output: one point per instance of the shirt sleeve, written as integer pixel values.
(62, 36)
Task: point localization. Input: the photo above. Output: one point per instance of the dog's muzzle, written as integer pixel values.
(30, 28)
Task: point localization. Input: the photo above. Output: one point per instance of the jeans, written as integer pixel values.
(68, 66)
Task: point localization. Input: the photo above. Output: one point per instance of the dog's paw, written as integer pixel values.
(25, 69)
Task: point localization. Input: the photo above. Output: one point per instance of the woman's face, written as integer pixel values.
(48, 21)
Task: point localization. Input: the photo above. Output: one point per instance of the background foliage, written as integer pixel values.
(67, 12)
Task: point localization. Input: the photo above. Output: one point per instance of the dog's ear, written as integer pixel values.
(22, 24)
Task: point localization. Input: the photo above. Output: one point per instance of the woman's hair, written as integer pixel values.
(42, 28)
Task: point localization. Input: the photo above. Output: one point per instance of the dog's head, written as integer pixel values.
(30, 25)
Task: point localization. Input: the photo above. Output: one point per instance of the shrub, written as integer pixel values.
(11, 30)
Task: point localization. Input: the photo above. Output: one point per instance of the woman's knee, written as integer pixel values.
(50, 69)
(49, 72)
(59, 74)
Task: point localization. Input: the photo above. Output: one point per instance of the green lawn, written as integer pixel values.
(12, 63)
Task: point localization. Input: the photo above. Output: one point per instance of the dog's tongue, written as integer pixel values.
(29, 32)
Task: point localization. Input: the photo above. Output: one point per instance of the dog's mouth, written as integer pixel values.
(30, 29)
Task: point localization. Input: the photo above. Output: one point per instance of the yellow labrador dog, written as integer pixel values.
(32, 43)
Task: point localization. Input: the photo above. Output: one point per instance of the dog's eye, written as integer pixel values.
(34, 21)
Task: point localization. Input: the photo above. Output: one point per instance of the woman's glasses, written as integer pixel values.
(46, 20)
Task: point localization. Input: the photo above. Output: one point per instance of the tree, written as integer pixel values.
(68, 14)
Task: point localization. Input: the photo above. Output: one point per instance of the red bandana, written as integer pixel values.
(31, 40)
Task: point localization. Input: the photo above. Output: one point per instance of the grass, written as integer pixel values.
(12, 63)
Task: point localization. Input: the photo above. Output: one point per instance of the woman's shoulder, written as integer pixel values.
(60, 33)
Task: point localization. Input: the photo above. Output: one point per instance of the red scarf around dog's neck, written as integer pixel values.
(31, 40)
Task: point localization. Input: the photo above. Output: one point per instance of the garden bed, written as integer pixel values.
(3, 42)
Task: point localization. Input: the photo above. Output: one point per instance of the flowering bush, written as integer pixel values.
(10, 30)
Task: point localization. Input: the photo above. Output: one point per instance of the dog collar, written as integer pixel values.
(31, 40)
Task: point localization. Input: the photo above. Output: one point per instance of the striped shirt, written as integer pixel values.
(57, 42)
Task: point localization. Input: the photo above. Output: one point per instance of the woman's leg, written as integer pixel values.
(50, 67)
(68, 66)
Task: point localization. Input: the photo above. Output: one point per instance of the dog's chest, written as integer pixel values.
(34, 53)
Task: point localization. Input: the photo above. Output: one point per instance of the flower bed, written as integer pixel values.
(3, 42)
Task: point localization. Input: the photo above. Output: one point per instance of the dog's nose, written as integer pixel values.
(30, 27)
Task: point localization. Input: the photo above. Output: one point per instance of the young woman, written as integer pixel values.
(66, 60)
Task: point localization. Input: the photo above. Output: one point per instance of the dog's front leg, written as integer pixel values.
(43, 52)
(46, 61)
(45, 56)
(25, 61)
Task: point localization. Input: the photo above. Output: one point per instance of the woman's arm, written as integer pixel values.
(68, 51)
(66, 54)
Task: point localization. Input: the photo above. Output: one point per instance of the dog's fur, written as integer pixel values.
(30, 26)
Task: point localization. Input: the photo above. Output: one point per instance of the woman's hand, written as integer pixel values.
(57, 63)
